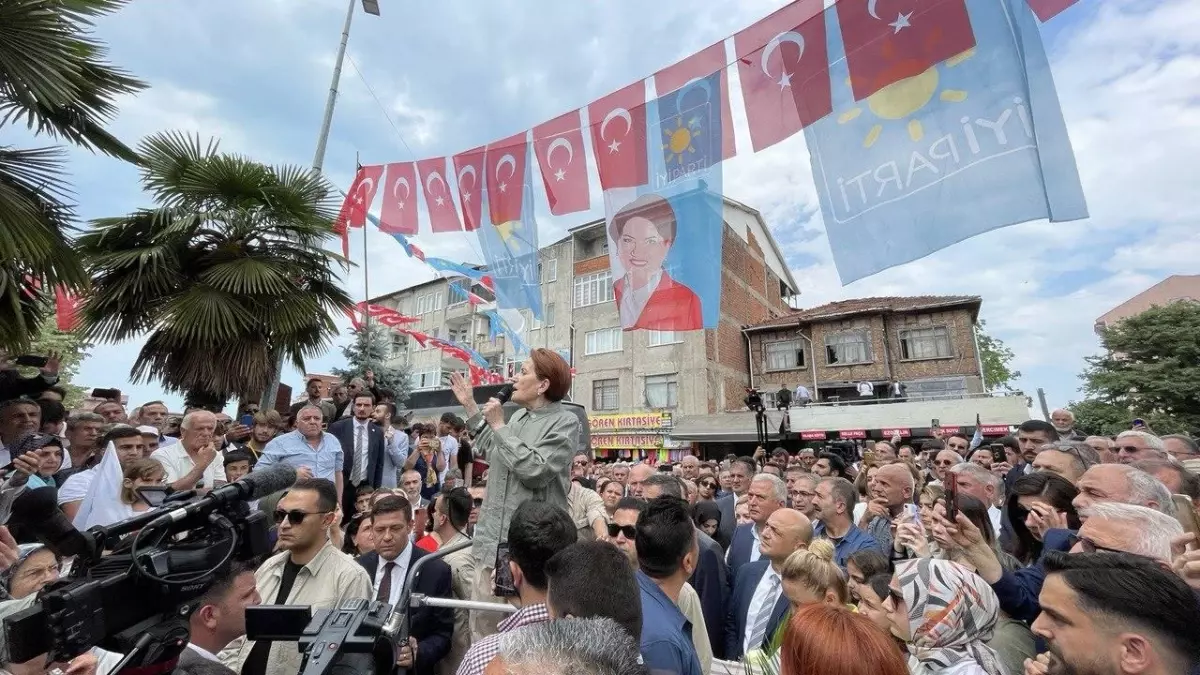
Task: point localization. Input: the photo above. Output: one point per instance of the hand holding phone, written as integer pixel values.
(246, 420)
(503, 585)
(952, 500)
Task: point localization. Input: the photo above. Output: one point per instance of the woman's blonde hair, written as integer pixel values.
(814, 568)
(139, 469)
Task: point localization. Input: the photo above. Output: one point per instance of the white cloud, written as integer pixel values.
(1126, 70)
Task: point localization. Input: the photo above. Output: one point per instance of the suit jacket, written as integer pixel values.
(672, 306)
(726, 504)
(741, 547)
(343, 430)
(711, 581)
(739, 609)
(190, 657)
(432, 627)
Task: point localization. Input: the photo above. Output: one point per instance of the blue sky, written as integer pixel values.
(430, 79)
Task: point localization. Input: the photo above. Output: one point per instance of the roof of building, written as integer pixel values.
(1182, 283)
(858, 306)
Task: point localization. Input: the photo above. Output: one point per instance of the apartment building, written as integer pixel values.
(1175, 288)
(634, 383)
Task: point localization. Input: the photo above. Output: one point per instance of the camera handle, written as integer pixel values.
(157, 648)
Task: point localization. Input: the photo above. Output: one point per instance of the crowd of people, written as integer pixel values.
(1043, 553)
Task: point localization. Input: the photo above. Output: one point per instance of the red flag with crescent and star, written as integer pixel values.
(360, 196)
(468, 167)
(783, 65)
(443, 217)
(398, 213)
(618, 124)
(506, 160)
(1048, 9)
(560, 153)
(891, 40)
(702, 64)
(66, 309)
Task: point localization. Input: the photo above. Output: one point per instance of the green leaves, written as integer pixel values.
(225, 273)
(995, 357)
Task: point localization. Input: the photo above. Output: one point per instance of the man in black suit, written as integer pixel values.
(389, 566)
(220, 618)
(758, 604)
(363, 447)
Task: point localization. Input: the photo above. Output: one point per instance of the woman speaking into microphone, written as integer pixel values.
(529, 457)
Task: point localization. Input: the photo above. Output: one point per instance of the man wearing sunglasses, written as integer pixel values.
(307, 571)
(1132, 446)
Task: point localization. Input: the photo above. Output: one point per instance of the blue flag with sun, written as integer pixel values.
(974, 143)
(511, 252)
(665, 236)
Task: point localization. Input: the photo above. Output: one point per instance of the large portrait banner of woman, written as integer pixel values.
(664, 237)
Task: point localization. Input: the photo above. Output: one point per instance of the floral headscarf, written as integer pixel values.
(7, 575)
(951, 613)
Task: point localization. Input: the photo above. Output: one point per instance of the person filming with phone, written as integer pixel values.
(529, 457)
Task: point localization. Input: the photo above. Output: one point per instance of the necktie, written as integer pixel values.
(385, 584)
(360, 454)
(758, 629)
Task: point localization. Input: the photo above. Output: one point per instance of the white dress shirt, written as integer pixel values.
(766, 594)
(204, 653)
(399, 574)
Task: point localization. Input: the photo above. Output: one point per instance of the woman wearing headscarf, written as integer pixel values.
(708, 518)
(35, 567)
(945, 613)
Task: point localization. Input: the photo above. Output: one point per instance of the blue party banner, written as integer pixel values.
(974, 143)
(665, 236)
(510, 248)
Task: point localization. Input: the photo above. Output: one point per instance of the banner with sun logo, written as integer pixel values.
(665, 235)
(509, 238)
(970, 144)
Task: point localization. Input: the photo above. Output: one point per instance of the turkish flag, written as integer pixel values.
(618, 123)
(416, 252)
(702, 64)
(398, 213)
(66, 309)
(1048, 9)
(505, 178)
(882, 50)
(558, 143)
(442, 214)
(783, 64)
(361, 195)
(468, 167)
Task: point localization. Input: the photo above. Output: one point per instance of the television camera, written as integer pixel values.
(137, 599)
(754, 401)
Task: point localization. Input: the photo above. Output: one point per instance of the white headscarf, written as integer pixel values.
(103, 505)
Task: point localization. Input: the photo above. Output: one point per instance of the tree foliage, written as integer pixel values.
(996, 358)
(54, 80)
(224, 275)
(371, 349)
(1150, 369)
(71, 348)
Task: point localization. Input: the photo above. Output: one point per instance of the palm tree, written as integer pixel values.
(226, 273)
(54, 80)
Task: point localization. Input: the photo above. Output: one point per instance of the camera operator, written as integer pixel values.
(220, 617)
(12, 385)
(529, 457)
(308, 571)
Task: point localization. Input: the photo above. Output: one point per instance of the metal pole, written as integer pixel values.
(327, 121)
(1045, 408)
(272, 392)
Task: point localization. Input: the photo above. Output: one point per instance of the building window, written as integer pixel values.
(593, 289)
(662, 391)
(460, 333)
(935, 389)
(548, 271)
(426, 379)
(602, 341)
(849, 347)
(785, 355)
(430, 302)
(458, 292)
(606, 395)
(925, 343)
(546, 320)
(399, 345)
(658, 338)
(431, 333)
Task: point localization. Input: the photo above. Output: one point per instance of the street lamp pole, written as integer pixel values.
(370, 7)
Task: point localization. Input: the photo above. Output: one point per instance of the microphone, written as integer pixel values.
(254, 485)
(38, 513)
(502, 396)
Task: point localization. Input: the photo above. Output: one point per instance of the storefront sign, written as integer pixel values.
(889, 433)
(993, 429)
(852, 433)
(635, 421)
(628, 442)
(947, 431)
(812, 435)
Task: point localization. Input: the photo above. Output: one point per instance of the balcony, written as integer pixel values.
(490, 348)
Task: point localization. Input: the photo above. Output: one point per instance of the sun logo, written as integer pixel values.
(901, 99)
(679, 140)
(508, 230)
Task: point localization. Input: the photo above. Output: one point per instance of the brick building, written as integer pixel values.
(621, 375)
(927, 343)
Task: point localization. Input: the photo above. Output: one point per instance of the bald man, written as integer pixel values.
(892, 488)
(758, 589)
(690, 467)
(637, 477)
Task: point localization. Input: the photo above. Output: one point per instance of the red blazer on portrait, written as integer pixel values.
(672, 306)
